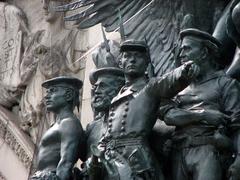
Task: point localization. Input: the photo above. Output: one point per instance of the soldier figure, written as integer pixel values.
(59, 147)
(124, 149)
(106, 83)
(203, 110)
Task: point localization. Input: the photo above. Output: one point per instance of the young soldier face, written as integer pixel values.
(134, 63)
(55, 98)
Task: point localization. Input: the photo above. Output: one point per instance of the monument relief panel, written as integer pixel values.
(13, 31)
(169, 34)
(177, 63)
(51, 52)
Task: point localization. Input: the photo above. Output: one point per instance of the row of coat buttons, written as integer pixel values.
(123, 121)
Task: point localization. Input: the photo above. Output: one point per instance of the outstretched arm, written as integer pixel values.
(171, 84)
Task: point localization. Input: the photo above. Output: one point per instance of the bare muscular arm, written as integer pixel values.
(71, 133)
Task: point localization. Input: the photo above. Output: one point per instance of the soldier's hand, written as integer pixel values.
(213, 117)
(233, 171)
(190, 70)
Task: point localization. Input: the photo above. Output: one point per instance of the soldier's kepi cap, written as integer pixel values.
(133, 45)
(107, 71)
(70, 82)
(201, 35)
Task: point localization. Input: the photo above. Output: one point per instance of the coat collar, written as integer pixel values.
(134, 88)
(210, 76)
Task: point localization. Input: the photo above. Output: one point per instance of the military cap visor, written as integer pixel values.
(112, 71)
(133, 45)
(200, 35)
(63, 81)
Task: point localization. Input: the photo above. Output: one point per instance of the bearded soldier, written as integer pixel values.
(106, 82)
(203, 111)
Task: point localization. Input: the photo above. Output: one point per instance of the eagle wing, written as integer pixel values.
(156, 21)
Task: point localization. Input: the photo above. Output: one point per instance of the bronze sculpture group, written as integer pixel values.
(198, 98)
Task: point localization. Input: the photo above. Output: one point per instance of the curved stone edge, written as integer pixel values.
(18, 142)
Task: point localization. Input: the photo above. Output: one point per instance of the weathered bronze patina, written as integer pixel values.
(203, 112)
(124, 148)
(198, 98)
(63, 143)
(106, 82)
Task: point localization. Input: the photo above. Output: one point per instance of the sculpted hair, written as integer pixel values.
(74, 93)
(215, 51)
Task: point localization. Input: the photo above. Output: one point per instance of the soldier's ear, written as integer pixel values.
(69, 95)
(119, 60)
(204, 52)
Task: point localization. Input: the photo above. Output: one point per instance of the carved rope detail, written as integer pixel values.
(12, 142)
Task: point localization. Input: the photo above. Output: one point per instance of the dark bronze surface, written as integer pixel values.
(63, 143)
(199, 98)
